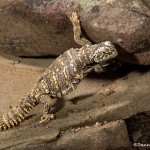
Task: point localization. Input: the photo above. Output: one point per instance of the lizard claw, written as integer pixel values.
(74, 18)
(46, 118)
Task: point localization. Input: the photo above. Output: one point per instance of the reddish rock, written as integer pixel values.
(39, 28)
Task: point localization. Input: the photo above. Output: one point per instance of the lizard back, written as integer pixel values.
(63, 76)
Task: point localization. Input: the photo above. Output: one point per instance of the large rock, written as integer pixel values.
(39, 28)
(113, 135)
(24, 32)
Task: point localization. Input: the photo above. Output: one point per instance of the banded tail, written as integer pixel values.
(18, 113)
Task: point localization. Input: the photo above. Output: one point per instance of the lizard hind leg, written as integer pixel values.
(77, 30)
(48, 103)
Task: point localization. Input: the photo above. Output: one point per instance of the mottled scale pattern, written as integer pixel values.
(65, 73)
(61, 78)
(18, 113)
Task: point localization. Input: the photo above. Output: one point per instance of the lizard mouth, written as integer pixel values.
(111, 64)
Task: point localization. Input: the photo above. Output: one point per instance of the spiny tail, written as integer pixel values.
(18, 113)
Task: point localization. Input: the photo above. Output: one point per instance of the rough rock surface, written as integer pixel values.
(40, 28)
(139, 128)
(113, 135)
(102, 98)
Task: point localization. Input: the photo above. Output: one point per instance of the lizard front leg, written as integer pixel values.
(77, 30)
(48, 103)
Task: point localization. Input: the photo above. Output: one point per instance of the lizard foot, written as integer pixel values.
(77, 30)
(74, 19)
(46, 118)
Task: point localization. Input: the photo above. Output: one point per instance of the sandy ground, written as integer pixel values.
(17, 76)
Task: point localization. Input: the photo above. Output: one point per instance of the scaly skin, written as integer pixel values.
(62, 77)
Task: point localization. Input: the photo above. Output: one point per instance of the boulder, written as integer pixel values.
(42, 28)
(112, 135)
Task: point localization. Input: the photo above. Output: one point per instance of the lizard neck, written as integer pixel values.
(87, 54)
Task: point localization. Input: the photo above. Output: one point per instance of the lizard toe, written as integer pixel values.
(46, 118)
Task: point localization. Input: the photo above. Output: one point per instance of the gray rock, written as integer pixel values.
(113, 135)
(29, 138)
(41, 28)
(26, 32)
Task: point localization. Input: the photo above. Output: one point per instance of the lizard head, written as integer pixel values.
(104, 52)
